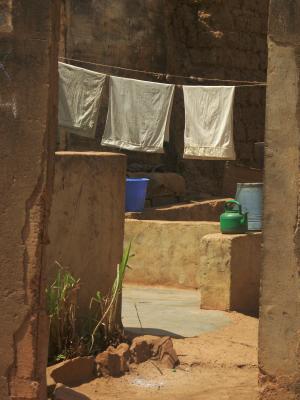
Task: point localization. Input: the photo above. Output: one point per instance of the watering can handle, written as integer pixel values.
(233, 202)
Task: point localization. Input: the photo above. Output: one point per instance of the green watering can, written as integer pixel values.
(233, 220)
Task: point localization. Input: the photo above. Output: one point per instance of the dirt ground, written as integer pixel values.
(221, 365)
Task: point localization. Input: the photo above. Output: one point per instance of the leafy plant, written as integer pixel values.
(62, 308)
(101, 326)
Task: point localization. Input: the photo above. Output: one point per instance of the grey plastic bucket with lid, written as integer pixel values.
(250, 196)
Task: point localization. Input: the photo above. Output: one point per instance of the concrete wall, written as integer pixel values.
(28, 50)
(213, 39)
(86, 227)
(279, 357)
(166, 253)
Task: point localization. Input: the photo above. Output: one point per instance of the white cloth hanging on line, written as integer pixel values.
(80, 92)
(138, 115)
(209, 122)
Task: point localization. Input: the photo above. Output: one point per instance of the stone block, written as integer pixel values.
(157, 348)
(114, 361)
(108, 364)
(164, 351)
(230, 272)
(72, 372)
(140, 350)
(123, 351)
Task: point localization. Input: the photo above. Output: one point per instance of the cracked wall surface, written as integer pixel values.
(28, 79)
(86, 226)
(279, 338)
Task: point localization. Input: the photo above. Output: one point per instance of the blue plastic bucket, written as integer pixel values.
(250, 196)
(136, 189)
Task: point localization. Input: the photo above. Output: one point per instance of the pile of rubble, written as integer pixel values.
(113, 362)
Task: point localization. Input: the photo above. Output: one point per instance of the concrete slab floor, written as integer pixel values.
(170, 312)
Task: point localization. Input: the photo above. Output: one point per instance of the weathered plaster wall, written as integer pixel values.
(28, 51)
(230, 272)
(86, 226)
(214, 39)
(118, 32)
(158, 248)
(279, 357)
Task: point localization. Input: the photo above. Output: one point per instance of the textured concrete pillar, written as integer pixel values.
(229, 272)
(86, 228)
(279, 338)
(28, 98)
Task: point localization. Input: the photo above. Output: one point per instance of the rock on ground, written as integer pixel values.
(220, 365)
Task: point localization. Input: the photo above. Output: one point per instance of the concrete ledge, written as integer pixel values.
(230, 272)
(166, 253)
(202, 210)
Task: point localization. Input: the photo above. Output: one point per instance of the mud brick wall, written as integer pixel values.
(28, 119)
(212, 39)
(279, 357)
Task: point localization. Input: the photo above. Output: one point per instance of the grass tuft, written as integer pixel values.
(101, 326)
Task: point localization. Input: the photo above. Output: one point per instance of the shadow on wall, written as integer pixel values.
(213, 39)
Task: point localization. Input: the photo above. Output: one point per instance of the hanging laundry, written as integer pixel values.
(209, 122)
(80, 92)
(139, 115)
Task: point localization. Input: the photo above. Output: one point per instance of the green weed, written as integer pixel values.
(101, 326)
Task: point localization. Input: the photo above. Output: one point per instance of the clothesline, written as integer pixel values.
(139, 113)
(159, 75)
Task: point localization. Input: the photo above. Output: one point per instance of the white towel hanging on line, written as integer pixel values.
(209, 122)
(80, 92)
(138, 115)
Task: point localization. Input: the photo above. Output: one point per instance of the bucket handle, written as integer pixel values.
(231, 203)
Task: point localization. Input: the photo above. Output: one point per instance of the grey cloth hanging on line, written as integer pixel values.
(209, 122)
(80, 92)
(139, 115)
